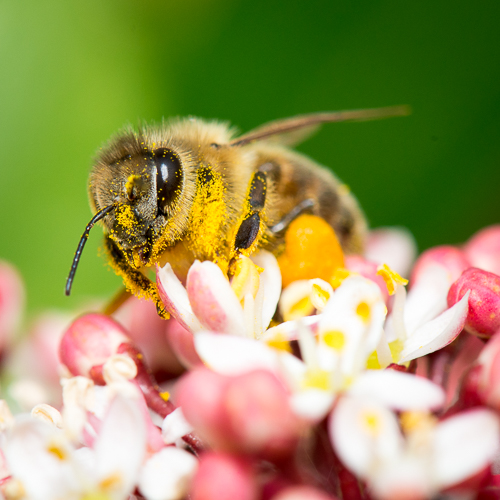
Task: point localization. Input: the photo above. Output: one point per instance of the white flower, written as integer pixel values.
(427, 458)
(244, 307)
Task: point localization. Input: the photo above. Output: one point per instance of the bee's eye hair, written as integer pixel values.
(168, 177)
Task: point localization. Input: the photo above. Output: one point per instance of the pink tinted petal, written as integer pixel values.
(397, 390)
(270, 282)
(483, 318)
(213, 300)
(489, 373)
(12, 298)
(121, 445)
(231, 355)
(364, 434)
(394, 246)
(182, 343)
(483, 249)
(437, 333)
(464, 445)
(452, 259)
(368, 269)
(175, 298)
(221, 476)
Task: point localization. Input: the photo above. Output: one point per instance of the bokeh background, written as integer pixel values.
(73, 72)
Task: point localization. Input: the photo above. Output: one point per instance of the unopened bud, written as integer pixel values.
(89, 342)
(483, 318)
(239, 478)
(483, 249)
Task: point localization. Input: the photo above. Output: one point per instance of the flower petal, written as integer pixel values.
(167, 474)
(121, 444)
(213, 300)
(232, 355)
(397, 390)
(270, 283)
(175, 298)
(365, 434)
(175, 426)
(312, 405)
(464, 445)
(437, 333)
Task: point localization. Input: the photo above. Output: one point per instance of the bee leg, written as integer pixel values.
(283, 224)
(134, 280)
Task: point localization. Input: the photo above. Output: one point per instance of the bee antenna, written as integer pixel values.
(76, 259)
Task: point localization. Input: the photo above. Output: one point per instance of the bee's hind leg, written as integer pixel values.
(136, 283)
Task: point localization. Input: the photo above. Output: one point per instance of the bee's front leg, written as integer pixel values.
(134, 280)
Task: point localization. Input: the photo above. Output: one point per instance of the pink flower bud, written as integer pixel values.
(147, 331)
(89, 342)
(222, 476)
(483, 249)
(246, 414)
(483, 318)
(450, 259)
(302, 493)
(367, 269)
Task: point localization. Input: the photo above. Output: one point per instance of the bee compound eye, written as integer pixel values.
(168, 177)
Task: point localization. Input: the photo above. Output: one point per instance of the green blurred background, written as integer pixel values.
(73, 72)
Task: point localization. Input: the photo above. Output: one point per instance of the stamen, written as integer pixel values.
(391, 278)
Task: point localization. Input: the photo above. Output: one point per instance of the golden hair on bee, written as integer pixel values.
(189, 189)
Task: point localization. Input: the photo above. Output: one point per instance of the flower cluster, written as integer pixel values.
(341, 384)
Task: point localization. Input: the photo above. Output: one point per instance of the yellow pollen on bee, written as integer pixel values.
(339, 276)
(129, 185)
(371, 422)
(322, 295)
(125, 216)
(334, 339)
(280, 343)
(317, 379)
(363, 311)
(391, 278)
(312, 250)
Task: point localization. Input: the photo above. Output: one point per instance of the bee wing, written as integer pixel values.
(291, 131)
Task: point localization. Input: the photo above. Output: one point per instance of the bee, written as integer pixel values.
(189, 189)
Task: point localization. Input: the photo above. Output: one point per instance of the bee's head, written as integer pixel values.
(144, 187)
